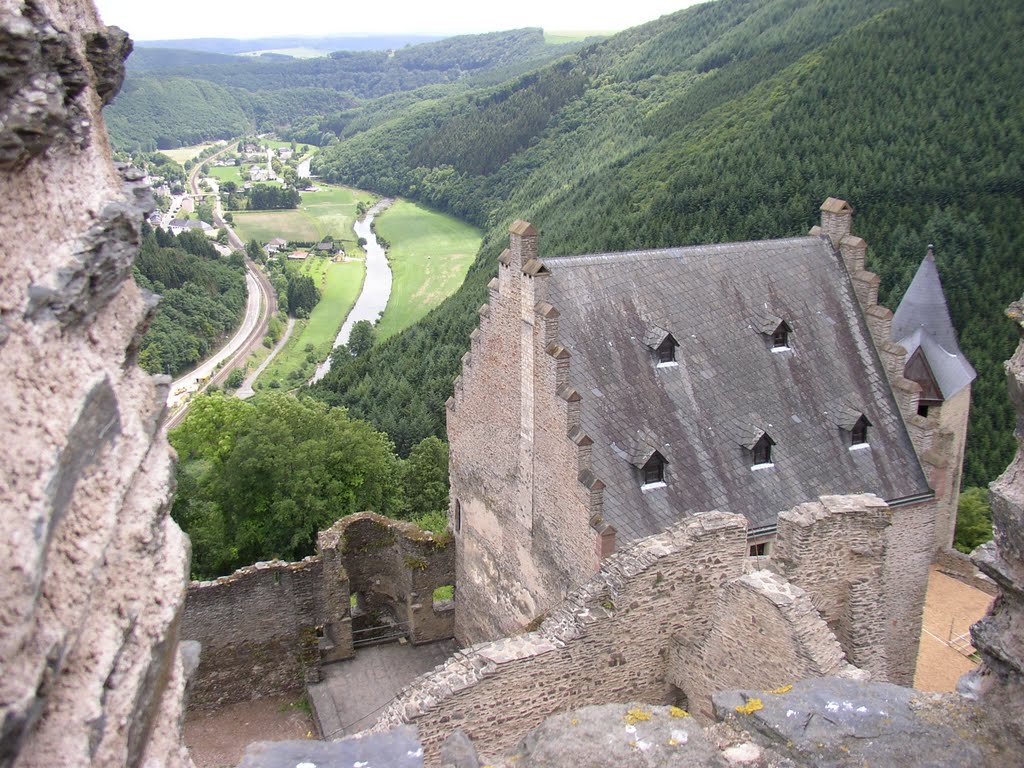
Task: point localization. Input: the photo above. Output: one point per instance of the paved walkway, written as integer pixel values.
(353, 692)
(246, 391)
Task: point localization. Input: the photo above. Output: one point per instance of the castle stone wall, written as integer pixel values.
(607, 642)
(258, 630)
(835, 549)
(93, 567)
(521, 517)
(267, 627)
(766, 634)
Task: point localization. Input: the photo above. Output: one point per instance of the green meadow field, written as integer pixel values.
(340, 284)
(429, 254)
(331, 211)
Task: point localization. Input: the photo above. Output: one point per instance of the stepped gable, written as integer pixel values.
(922, 324)
(728, 370)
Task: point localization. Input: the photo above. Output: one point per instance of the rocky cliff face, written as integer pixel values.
(93, 568)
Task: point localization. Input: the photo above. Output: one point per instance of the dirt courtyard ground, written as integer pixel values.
(218, 739)
(950, 609)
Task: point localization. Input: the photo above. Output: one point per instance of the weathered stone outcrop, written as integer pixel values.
(93, 567)
(999, 637)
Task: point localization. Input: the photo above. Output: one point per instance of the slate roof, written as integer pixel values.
(729, 388)
(922, 322)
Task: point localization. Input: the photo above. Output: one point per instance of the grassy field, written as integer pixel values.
(430, 254)
(181, 154)
(331, 211)
(311, 340)
(228, 173)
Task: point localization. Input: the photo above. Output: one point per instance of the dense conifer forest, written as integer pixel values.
(202, 298)
(727, 121)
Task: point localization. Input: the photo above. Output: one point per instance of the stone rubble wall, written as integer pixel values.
(835, 549)
(676, 617)
(766, 634)
(258, 631)
(268, 627)
(602, 645)
(94, 568)
(959, 566)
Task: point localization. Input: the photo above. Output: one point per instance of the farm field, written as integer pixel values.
(331, 211)
(311, 341)
(228, 173)
(429, 254)
(181, 154)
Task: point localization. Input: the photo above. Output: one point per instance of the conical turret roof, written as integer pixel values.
(922, 321)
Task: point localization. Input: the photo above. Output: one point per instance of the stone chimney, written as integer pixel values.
(523, 243)
(836, 219)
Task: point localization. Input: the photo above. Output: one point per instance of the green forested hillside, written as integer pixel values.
(727, 121)
(202, 298)
(173, 98)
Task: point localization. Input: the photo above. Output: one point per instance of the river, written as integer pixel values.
(376, 287)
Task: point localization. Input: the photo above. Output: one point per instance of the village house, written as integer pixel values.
(607, 397)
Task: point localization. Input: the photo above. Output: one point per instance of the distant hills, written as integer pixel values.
(731, 120)
(227, 45)
(175, 97)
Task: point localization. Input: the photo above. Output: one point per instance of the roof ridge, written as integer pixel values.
(671, 251)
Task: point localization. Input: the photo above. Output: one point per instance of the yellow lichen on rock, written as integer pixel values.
(636, 715)
(677, 712)
(783, 689)
(752, 706)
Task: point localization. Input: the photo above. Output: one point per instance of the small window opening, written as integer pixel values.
(666, 352)
(762, 452)
(458, 516)
(922, 409)
(859, 433)
(780, 339)
(654, 472)
(759, 550)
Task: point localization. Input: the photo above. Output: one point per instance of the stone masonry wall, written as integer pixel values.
(921, 529)
(267, 627)
(607, 643)
(258, 630)
(93, 568)
(835, 549)
(395, 567)
(766, 634)
(521, 512)
(670, 616)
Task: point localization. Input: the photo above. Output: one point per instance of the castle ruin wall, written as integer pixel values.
(258, 630)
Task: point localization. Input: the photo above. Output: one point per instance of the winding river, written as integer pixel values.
(376, 287)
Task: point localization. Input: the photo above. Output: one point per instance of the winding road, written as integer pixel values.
(260, 306)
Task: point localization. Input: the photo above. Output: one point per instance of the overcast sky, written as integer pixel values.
(315, 18)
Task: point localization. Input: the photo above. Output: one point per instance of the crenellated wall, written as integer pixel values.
(527, 521)
(93, 567)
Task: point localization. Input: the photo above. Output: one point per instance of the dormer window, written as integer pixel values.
(761, 453)
(776, 330)
(853, 425)
(654, 471)
(663, 344)
(859, 433)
